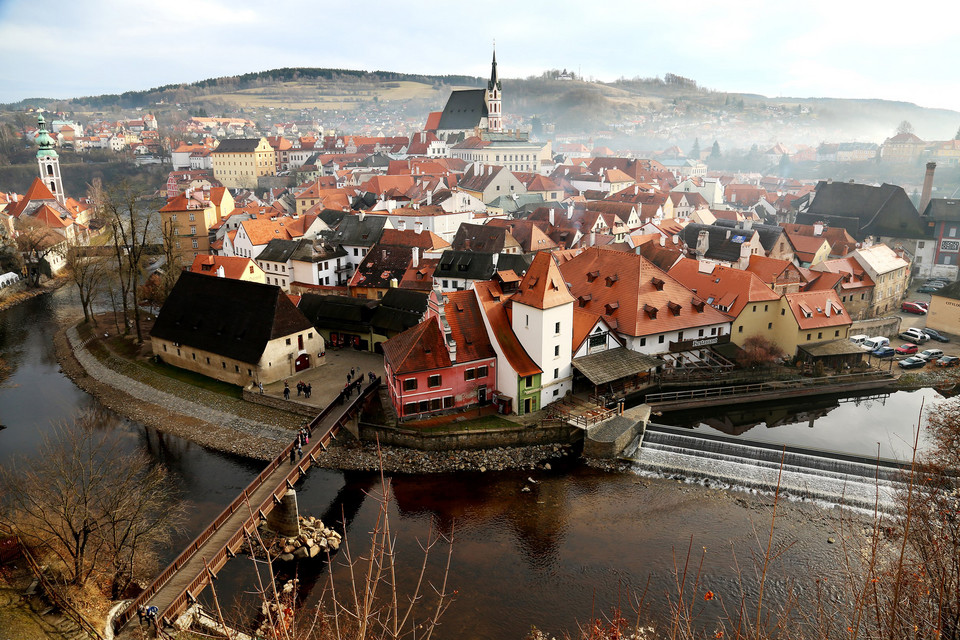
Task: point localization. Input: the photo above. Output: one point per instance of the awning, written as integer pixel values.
(832, 348)
(614, 364)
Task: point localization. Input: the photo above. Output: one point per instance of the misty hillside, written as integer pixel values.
(643, 110)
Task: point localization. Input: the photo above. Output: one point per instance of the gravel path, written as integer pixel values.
(206, 417)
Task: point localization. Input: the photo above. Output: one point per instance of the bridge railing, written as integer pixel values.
(220, 557)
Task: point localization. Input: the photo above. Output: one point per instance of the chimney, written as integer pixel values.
(663, 241)
(220, 272)
(703, 243)
(417, 227)
(818, 229)
(429, 198)
(569, 211)
(551, 216)
(927, 186)
(415, 257)
(361, 215)
(393, 283)
(495, 258)
(402, 224)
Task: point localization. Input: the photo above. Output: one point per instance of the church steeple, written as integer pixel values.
(49, 161)
(494, 114)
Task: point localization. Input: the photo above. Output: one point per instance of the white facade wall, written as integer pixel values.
(180, 160)
(277, 273)
(660, 342)
(550, 349)
(507, 377)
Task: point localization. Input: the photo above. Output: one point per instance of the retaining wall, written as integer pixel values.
(889, 326)
(519, 436)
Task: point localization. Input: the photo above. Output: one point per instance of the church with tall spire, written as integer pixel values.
(469, 111)
(49, 161)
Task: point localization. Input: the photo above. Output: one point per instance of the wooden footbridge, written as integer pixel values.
(181, 582)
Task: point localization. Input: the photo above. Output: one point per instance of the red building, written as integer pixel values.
(445, 363)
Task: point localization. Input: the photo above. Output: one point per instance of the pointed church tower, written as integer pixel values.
(494, 114)
(543, 323)
(49, 161)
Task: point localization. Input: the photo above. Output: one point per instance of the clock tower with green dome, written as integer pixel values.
(49, 161)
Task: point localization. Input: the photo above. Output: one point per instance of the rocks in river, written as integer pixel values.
(314, 539)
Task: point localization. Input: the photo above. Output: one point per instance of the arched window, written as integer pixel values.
(53, 186)
(49, 169)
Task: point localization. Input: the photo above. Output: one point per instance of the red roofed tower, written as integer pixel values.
(543, 322)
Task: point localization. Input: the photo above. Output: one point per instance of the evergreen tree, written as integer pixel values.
(715, 152)
(695, 151)
(957, 135)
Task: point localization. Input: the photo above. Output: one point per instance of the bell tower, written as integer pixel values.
(494, 114)
(49, 161)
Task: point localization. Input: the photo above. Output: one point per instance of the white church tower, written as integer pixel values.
(494, 113)
(543, 322)
(49, 161)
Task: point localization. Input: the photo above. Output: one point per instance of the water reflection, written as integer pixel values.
(854, 425)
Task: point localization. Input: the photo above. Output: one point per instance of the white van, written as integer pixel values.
(874, 343)
(930, 354)
(858, 339)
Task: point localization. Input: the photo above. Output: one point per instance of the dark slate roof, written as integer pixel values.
(237, 145)
(399, 310)
(723, 244)
(316, 251)
(472, 265)
(278, 250)
(381, 265)
(338, 312)
(943, 209)
(356, 233)
(331, 217)
(864, 210)
(479, 237)
(232, 318)
(464, 109)
(769, 233)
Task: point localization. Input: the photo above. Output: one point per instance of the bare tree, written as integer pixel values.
(36, 242)
(91, 503)
(130, 226)
(88, 272)
(904, 127)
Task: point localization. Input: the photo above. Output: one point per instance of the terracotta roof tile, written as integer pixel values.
(492, 300)
(543, 287)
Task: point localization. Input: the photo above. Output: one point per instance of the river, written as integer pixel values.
(550, 557)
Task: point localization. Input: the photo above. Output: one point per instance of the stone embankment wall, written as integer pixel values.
(292, 406)
(889, 326)
(457, 440)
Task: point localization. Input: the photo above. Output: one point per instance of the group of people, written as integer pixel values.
(304, 388)
(303, 438)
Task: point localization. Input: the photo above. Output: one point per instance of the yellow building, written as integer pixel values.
(238, 163)
(188, 217)
(944, 312)
(809, 318)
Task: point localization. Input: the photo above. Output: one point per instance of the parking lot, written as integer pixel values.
(908, 320)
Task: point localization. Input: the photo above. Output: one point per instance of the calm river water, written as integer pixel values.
(548, 558)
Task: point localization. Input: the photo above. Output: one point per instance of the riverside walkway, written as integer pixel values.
(183, 580)
(758, 392)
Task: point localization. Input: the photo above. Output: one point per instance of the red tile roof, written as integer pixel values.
(817, 309)
(633, 296)
(492, 300)
(419, 348)
(462, 312)
(233, 267)
(543, 287)
(729, 288)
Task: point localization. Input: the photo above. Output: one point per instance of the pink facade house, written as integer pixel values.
(445, 363)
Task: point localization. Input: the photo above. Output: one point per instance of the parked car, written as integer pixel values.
(925, 305)
(914, 335)
(935, 335)
(884, 352)
(930, 354)
(912, 307)
(906, 349)
(859, 339)
(913, 362)
(927, 288)
(948, 361)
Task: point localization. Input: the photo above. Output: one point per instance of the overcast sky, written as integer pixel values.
(813, 48)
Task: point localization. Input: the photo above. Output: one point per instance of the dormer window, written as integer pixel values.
(611, 307)
(651, 311)
(674, 308)
(593, 275)
(612, 279)
(584, 299)
(657, 283)
(698, 305)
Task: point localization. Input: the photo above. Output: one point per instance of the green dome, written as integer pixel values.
(45, 141)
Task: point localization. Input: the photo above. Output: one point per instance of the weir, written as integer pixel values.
(822, 475)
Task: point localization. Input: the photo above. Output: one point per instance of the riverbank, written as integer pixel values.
(16, 297)
(251, 430)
